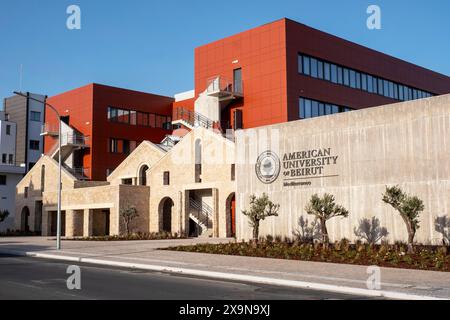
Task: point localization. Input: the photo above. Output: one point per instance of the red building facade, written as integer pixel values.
(113, 120)
(276, 87)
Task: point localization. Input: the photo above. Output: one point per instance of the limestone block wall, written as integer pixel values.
(145, 154)
(34, 182)
(360, 152)
(139, 197)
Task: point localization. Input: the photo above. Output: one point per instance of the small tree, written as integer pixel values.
(128, 214)
(260, 208)
(324, 209)
(370, 230)
(409, 208)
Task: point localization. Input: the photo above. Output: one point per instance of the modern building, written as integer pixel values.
(285, 71)
(11, 172)
(102, 125)
(287, 87)
(28, 115)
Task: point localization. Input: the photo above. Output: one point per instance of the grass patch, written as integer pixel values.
(424, 257)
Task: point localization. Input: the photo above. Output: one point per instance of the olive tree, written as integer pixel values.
(324, 208)
(128, 214)
(409, 208)
(260, 209)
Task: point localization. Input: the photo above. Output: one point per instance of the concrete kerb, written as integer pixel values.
(229, 276)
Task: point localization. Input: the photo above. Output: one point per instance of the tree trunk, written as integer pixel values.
(324, 230)
(411, 234)
(256, 232)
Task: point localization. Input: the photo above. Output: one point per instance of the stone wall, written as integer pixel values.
(354, 156)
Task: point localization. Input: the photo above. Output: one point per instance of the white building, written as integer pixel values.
(10, 171)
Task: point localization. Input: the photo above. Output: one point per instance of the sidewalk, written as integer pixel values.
(395, 283)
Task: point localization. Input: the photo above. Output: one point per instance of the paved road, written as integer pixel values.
(29, 278)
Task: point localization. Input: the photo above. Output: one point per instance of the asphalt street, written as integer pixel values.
(30, 279)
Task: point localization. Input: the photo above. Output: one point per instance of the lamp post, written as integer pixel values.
(58, 219)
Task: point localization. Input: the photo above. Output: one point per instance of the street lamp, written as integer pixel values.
(58, 219)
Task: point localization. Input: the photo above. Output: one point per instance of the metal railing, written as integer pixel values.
(192, 118)
(222, 84)
(80, 173)
(204, 211)
(74, 139)
(50, 129)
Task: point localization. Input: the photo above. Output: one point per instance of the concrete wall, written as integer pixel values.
(405, 144)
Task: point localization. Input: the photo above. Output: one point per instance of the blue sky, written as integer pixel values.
(149, 45)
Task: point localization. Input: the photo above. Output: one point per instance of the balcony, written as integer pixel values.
(49, 129)
(224, 89)
(12, 167)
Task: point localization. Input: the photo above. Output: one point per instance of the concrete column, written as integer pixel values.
(88, 222)
(215, 207)
(70, 217)
(45, 223)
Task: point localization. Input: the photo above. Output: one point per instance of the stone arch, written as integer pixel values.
(142, 176)
(165, 214)
(25, 219)
(231, 215)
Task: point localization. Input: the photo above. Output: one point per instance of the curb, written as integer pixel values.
(230, 276)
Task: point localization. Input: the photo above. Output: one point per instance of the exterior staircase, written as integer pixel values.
(201, 213)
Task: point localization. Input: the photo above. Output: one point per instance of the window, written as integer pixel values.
(310, 108)
(126, 146)
(380, 86)
(4, 157)
(340, 75)
(114, 145)
(358, 80)
(142, 119)
(334, 77)
(35, 116)
(11, 159)
(127, 181)
(237, 80)
(364, 81)
(152, 121)
(314, 108)
(300, 64)
(133, 119)
(8, 129)
(320, 69)
(233, 172)
(352, 79)
(306, 66)
(112, 114)
(326, 71)
(34, 144)
(31, 165)
(25, 192)
(313, 67)
(2, 180)
(346, 77)
(166, 178)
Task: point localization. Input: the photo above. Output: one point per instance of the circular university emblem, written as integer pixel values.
(268, 167)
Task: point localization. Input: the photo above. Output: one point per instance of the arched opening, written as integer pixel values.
(165, 214)
(231, 215)
(43, 178)
(198, 160)
(25, 219)
(143, 175)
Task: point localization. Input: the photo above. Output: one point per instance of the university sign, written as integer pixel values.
(299, 168)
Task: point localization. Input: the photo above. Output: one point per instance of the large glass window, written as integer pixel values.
(325, 70)
(311, 108)
(308, 113)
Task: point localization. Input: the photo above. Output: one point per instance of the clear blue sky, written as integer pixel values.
(149, 45)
